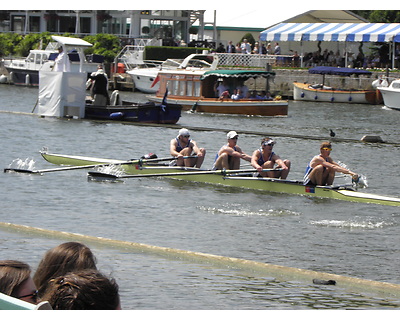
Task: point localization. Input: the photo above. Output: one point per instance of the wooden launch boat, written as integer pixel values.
(323, 93)
(231, 178)
(195, 91)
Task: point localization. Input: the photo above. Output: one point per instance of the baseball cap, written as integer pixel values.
(183, 132)
(232, 134)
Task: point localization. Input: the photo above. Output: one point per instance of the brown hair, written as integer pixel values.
(66, 257)
(12, 275)
(325, 144)
(83, 290)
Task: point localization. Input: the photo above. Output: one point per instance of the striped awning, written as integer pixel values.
(351, 32)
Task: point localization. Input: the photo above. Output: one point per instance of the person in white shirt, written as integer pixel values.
(62, 63)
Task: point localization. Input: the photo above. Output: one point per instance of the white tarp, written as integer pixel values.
(62, 94)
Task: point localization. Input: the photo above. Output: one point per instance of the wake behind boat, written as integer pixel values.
(226, 178)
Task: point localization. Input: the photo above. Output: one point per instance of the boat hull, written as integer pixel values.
(253, 183)
(391, 97)
(303, 92)
(143, 79)
(144, 113)
(24, 77)
(244, 107)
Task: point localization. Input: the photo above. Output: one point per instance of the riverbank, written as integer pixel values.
(283, 83)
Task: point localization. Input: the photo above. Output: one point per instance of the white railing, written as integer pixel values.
(253, 60)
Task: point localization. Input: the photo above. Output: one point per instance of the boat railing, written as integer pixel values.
(240, 60)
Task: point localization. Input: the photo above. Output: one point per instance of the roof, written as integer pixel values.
(351, 32)
(238, 73)
(327, 16)
(76, 42)
(337, 71)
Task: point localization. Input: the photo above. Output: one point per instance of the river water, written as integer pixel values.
(349, 239)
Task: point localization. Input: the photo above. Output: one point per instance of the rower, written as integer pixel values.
(265, 158)
(228, 157)
(321, 169)
(182, 146)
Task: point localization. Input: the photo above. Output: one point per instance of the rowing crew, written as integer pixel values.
(320, 171)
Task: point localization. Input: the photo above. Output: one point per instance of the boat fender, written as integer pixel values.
(27, 80)
(302, 95)
(324, 282)
(316, 97)
(350, 98)
(332, 99)
(117, 115)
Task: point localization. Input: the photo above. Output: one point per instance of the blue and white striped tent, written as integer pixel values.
(349, 32)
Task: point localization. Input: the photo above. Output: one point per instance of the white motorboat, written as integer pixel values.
(146, 80)
(26, 71)
(391, 94)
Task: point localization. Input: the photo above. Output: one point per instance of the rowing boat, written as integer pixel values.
(345, 193)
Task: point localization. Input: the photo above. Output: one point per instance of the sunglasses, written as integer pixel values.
(327, 149)
(268, 143)
(186, 136)
(234, 138)
(32, 295)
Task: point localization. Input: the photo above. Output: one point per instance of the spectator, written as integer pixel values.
(66, 257)
(16, 281)
(83, 290)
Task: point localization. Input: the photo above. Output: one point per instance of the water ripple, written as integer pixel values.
(248, 212)
(352, 224)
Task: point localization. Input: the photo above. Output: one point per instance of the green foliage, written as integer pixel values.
(13, 44)
(379, 16)
(106, 45)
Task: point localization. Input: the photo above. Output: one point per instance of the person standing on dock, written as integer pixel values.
(228, 157)
(182, 146)
(321, 169)
(265, 158)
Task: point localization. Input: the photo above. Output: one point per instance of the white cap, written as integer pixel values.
(183, 132)
(232, 134)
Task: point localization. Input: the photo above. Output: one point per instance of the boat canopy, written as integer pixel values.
(238, 73)
(350, 32)
(338, 71)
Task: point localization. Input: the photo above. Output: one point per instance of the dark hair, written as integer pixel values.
(83, 290)
(12, 275)
(66, 257)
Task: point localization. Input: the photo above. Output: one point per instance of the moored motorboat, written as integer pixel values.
(225, 178)
(195, 91)
(391, 94)
(25, 72)
(147, 112)
(323, 93)
(145, 78)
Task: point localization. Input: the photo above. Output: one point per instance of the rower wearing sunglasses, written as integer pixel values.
(265, 158)
(321, 169)
(182, 147)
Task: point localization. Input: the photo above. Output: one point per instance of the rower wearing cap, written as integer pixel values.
(321, 169)
(183, 146)
(228, 157)
(265, 158)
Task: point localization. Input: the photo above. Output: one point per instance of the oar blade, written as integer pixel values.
(97, 175)
(19, 170)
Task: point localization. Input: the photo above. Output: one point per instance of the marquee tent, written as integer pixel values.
(344, 32)
(350, 32)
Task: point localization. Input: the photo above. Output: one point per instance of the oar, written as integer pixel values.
(139, 162)
(172, 174)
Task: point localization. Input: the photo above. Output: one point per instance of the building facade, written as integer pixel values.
(169, 25)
